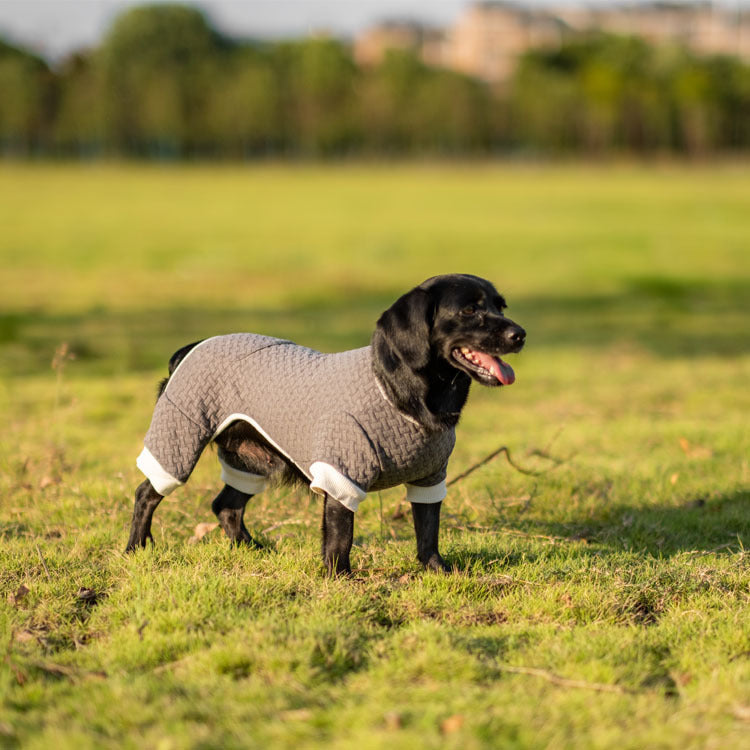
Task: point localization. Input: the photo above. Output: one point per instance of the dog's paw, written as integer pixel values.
(248, 542)
(334, 569)
(437, 564)
(139, 541)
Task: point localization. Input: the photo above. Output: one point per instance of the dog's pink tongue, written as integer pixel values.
(501, 370)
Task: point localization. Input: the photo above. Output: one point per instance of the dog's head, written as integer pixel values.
(441, 335)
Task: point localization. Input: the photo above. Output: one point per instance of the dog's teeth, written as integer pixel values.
(464, 350)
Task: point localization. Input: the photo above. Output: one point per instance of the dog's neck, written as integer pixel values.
(446, 396)
(434, 403)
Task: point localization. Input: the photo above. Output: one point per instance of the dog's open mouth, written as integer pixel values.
(486, 368)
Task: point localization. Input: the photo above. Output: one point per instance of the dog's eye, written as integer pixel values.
(469, 310)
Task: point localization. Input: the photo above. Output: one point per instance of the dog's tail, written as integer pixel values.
(174, 361)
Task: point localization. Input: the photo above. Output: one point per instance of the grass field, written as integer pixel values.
(602, 602)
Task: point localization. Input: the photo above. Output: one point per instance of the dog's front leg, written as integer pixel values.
(427, 527)
(146, 500)
(338, 534)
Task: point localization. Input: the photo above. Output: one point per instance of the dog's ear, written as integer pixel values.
(402, 334)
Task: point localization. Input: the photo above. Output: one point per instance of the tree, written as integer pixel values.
(406, 105)
(449, 113)
(598, 92)
(728, 81)
(319, 79)
(155, 65)
(79, 121)
(243, 112)
(26, 100)
(544, 106)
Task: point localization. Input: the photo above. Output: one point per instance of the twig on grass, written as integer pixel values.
(58, 670)
(172, 664)
(73, 674)
(504, 449)
(552, 440)
(548, 457)
(62, 356)
(44, 564)
(601, 687)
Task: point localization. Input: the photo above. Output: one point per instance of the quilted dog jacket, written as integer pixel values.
(325, 412)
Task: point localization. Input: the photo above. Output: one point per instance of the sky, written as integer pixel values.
(54, 28)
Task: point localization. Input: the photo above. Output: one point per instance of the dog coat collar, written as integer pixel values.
(391, 404)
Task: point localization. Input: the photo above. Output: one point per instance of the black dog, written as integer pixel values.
(425, 351)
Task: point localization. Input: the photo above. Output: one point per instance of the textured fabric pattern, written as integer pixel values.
(314, 407)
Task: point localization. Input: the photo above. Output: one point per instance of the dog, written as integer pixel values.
(344, 423)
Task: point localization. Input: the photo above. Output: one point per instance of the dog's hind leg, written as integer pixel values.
(338, 535)
(427, 527)
(146, 500)
(229, 507)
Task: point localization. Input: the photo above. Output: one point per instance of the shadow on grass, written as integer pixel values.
(720, 525)
(664, 316)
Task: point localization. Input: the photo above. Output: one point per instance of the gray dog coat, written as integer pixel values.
(327, 413)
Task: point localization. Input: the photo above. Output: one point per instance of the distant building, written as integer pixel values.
(489, 37)
(703, 27)
(371, 46)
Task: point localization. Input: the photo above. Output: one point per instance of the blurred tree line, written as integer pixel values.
(164, 84)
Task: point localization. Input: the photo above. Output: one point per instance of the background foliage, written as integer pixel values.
(163, 84)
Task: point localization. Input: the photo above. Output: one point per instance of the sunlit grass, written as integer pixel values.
(622, 566)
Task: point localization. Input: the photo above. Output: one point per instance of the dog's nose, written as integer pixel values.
(515, 336)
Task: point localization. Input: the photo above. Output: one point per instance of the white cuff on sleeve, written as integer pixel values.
(434, 494)
(162, 481)
(330, 481)
(243, 481)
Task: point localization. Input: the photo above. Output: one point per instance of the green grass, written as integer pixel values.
(602, 603)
